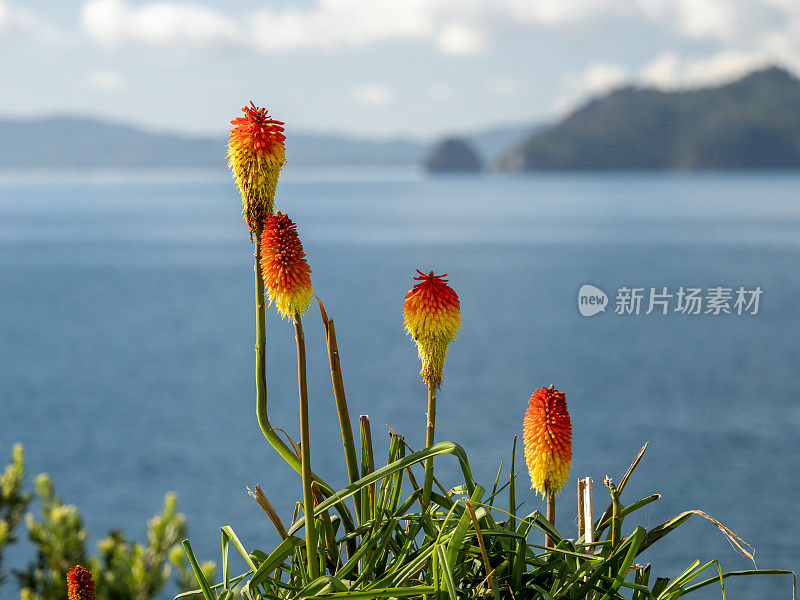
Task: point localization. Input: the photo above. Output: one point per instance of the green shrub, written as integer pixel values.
(122, 570)
(13, 501)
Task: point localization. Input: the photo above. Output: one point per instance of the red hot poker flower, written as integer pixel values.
(433, 317)
(547, 436)
(79, 584)
(256, 155)
(287, 275)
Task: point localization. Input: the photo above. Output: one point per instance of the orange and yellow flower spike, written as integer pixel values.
(547, 436)
(79, 584)
(256, 156)
(433, 317)
(287, 276)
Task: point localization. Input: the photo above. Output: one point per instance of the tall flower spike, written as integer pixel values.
(547, 435)
(79, 584)
(255, 157)
(433, 317)
(287, 275)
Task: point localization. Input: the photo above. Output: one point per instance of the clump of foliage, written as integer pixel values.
(13, 501)
(463, 546)
(403, 540)
(122, 569)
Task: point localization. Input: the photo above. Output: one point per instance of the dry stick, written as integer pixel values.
(588, 515)
(429, 430)
(267, 507)
(581, 487)
(305, 451)
(624, 481)
(482, 546)
(582, 510)
(344, 418)
(341, 406)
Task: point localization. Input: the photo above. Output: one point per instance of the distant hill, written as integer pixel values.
(493, 143)
(453, 155)
(73, 142)
(752, 123)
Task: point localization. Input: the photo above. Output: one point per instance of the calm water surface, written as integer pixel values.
(126, 342)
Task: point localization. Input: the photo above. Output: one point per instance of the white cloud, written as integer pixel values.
(460, 39)
(663, 71)
(669, 71)
(162, 24)
(596, 79)
(459, 28)
(462, 28)
(715, 19)
(555, 12)
(106, 81)
(602, 77)
(333, 24)
(372, 94)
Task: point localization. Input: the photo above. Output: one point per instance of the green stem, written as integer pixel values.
(344, 414)
(261, 386)
(305, 452)
(261, 365)
(551, 516)
(429, 430)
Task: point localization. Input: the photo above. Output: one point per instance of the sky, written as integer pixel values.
(371, 68)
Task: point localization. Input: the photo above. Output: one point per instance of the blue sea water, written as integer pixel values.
(126, 343)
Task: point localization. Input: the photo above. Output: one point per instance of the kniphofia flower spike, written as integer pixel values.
(287, 276)
(79, 584)
(433, 317)
(547, 436)
(256, 156)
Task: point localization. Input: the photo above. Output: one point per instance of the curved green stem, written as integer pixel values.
(261, 387)
(261, 365)
(305, 452)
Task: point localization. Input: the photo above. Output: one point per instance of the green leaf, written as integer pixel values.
(198, 572)
(284, 549)
(416, 457)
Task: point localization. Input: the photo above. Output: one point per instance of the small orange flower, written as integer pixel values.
(433, 317)
(79, 584)
(256, 156)
(547, 435)
(284, 267)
